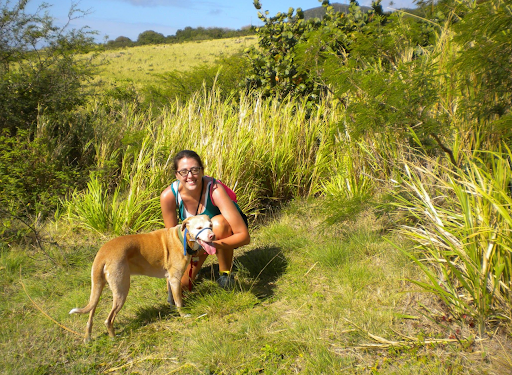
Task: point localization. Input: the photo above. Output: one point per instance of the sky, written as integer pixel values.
(129, 18)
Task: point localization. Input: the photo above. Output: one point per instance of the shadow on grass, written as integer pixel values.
(265, 266)
(145, 316)
(256, 270)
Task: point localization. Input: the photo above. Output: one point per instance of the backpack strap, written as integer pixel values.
(231, 194)
(174, 188)
(211, 188)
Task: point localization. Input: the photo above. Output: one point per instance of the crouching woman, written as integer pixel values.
(193, 193)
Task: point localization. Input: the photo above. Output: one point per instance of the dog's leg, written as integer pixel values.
(120, 285)
(97, 283)
(176, 291)
(175, 283)
(88, 328)
(170, 299)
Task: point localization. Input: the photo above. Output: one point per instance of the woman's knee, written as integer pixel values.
(221, 227)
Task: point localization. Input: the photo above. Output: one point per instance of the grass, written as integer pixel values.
(280, 150)
(309, 295)
(463, 224)
(140, 64)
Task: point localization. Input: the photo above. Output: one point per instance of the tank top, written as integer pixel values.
(209, 208)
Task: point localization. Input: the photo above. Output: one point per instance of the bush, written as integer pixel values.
(39, 66)
(290, 56)
(226, 73)
(32, 180)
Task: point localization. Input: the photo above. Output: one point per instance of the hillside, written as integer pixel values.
(140, 64)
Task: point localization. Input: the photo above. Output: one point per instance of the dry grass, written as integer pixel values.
(140, 64)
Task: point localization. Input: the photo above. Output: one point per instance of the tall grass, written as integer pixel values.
(266, 150)
(133, 204)
(464, 227)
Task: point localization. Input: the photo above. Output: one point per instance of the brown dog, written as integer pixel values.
(156, 254)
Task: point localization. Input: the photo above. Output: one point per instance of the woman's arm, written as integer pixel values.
(168, 206)
(229, 211)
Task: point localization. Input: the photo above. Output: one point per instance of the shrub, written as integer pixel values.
(226, 73)
(39, 68)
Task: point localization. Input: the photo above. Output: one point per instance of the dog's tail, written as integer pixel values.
(97, 283)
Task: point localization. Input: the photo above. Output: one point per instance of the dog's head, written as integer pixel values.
(200, 232)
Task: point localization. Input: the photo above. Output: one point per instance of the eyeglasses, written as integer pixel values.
(194, 170)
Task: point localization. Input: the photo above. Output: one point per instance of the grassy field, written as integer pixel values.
(140, 64)
(311, 298)
(327, 285)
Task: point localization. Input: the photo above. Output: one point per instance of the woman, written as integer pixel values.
(195, 194)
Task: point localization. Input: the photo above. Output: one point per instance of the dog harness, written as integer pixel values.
(183, 237)
(188, 250)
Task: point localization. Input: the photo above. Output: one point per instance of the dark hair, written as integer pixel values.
(189, 155)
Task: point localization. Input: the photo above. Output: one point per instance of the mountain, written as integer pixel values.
(319, 12)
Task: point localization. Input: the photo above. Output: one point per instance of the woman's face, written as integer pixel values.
(192, 173)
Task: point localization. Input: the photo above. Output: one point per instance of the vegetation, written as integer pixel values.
(304, 303)
(372, 154)
(320, 11)
(188, 34)
(34, 80)
(142, 66)
(39, 159)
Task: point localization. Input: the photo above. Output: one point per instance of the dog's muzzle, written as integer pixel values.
(207, 246)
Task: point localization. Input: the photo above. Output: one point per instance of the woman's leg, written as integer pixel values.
(222, 229)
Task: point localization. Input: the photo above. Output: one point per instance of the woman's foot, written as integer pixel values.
(226, 280)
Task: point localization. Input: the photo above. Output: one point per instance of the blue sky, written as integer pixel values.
(129, 18)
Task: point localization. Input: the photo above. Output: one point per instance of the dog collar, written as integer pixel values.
(186, 248)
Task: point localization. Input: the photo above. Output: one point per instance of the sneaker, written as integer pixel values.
(226, 281)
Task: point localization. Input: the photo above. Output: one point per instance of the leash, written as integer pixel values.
(194, 260)
(187, 249)
(192, 264)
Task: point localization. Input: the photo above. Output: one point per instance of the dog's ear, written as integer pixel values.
(184, 224)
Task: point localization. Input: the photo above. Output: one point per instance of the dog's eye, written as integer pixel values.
(199, 228)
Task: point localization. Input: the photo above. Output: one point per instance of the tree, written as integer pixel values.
(150, 37)
(120, 42)
(292, 49)
(39, 68)
(486, 63)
